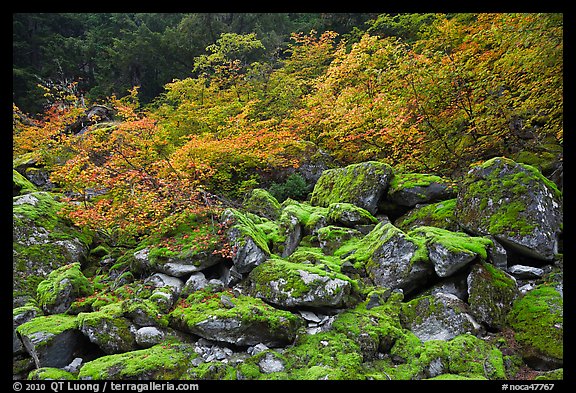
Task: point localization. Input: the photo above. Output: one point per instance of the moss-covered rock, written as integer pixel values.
(161, 362)
(538, 324)
(236, 319)
(53, 340)
(439, 214)
(391, 258)
(61, 287)
(42, 242)
(450, 251)
(514, 203)
(51, 373)
(491, 293)
(249, 242)
(360, 184)
(333, 237)
(349, 215)
(109, 329)
(262, 203)
(21, 185)
(464, 356)
(410, 189)
(438, 317)
(290, 284)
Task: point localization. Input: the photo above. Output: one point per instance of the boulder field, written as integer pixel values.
(378, 275)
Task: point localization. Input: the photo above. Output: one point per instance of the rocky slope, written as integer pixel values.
(379, 275)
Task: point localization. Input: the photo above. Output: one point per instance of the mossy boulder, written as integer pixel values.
(514, 203)
(236, 319)
(333, 237)
(537, 319)
(312, 218)
(109, 329)
(463, 357)
(410, 189)
(51, 373)
(451, 251)
(391, 258)
(438, 317)
(439, 214)
(349, 215)
(249, 242)
(491, 293)
(290, 284)
(360, 184)
(54, 340)
(21, 185)
(164, 361)
(41, 242)
(62, 286)
(262, 203)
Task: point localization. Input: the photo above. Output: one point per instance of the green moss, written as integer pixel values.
(492, 185)
(537, 320)
(440, 214)
(361, 251)
(290, 284)
(310, 217)
(261, 202)
(454, 241)
(162, 362)
(204, 304)
(22, 184)
(66, 279)
(557, 374)
(49, 324)
(339, 213)
(411, 180)
(210, 371)
(315, 256)
(50, 373)
(350, 184)
(456, 377)
(324, 355)
(246, 225)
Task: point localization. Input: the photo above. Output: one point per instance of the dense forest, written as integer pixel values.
(150, 149)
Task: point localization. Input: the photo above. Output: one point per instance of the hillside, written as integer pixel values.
(380, 204)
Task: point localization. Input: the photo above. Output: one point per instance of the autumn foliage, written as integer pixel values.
(467, 88)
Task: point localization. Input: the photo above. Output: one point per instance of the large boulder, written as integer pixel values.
(159, 362)
(62, 286)
(438, 317)
(54, 340)
(410, 189)
(109, 329)
(235, 319)
(514, 203)
(248, 241)
(491, 293)
(451, 251)
(393, 259)
(290, 284)
(41, 242)
(537, 319)
(360, 184)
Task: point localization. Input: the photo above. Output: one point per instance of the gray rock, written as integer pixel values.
(53, 341)
(438, 317)
(270, 364)
(392, 259)
(293, 285)
(74, 366)
(148, 336)
(195, 282)
(514, 203)
(248, 241)
(410, 189)
(491, 293)
(361, 184)
(522, 271)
